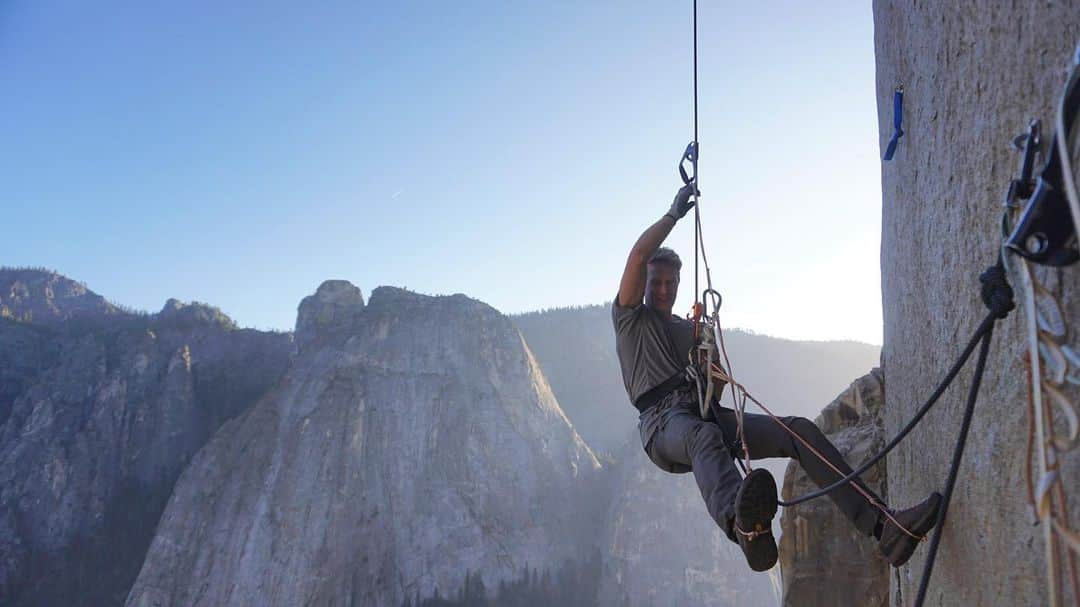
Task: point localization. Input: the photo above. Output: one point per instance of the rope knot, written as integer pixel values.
(996, 292)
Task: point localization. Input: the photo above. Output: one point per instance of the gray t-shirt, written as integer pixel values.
(651, 348)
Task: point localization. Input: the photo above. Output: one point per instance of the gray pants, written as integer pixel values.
(678, 440)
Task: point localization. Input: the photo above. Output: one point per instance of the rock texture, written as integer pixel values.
(330, 313)
(25, 352)
(101, 415)
(45, 297)
(823, 560)
(974, 74)
(576, 348)
(413, 439)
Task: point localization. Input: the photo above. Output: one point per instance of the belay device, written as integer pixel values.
(1046, 231)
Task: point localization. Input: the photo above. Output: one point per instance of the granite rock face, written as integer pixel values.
(331, 312)
(413, 438)
(576, 348)
(102, 415)
(25, 352)
(974, 75)
(823, 559)
(45, 297)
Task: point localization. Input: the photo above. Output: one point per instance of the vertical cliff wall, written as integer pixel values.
(824, 560)
(974, 74)
(100, 410)
(414, 439)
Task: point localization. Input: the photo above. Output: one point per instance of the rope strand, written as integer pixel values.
(694, 163)
(858, 488)
(987, 322)
(954, 468)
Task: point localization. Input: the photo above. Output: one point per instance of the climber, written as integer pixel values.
(653, 347)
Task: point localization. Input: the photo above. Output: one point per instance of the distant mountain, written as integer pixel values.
(407, 450)
(413, 443)
(44, 297)
(576, 348)
(100, 411)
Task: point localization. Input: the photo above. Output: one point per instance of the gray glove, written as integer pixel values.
(683, 202)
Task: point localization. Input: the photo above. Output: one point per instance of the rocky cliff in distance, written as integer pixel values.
(31, 300)
(824, 561)
(43, 297)
(408, 443)
(101, 410)
(413, 439)
(576, 348)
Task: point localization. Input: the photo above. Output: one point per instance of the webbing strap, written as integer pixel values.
(654, 395)
(897, 120)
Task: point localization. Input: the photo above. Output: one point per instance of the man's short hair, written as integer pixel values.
(667, 257)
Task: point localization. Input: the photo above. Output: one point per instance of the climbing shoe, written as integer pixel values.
(755, 506)
(896, 545)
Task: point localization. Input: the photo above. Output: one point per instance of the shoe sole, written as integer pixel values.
(755, 507)
(907, 544)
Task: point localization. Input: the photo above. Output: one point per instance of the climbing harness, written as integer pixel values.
(1041, 224)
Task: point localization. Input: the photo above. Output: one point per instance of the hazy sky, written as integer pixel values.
(241, 153)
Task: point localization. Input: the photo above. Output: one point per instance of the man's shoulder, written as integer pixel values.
(619, 310)
(625, 317)
(616, 306)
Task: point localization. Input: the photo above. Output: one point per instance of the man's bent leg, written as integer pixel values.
(765, 438)
(684, 438)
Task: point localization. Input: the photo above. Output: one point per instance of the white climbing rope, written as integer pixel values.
(1045, 456)
(1055, 366)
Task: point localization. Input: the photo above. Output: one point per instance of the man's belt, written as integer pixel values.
(654, 395)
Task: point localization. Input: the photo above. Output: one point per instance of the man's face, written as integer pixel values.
(661, 287)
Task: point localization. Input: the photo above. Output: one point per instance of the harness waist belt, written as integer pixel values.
(654, 395)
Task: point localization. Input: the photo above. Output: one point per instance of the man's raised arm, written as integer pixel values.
(632, 286)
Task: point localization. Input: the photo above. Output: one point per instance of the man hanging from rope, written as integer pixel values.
(654, 348)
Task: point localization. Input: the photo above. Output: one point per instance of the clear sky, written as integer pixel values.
(241, 153)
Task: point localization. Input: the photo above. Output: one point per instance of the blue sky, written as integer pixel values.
(242, 153)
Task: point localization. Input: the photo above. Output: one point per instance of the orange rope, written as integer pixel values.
(1055, 545)
(1073, 580)
(869, 497)
(740, 410)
